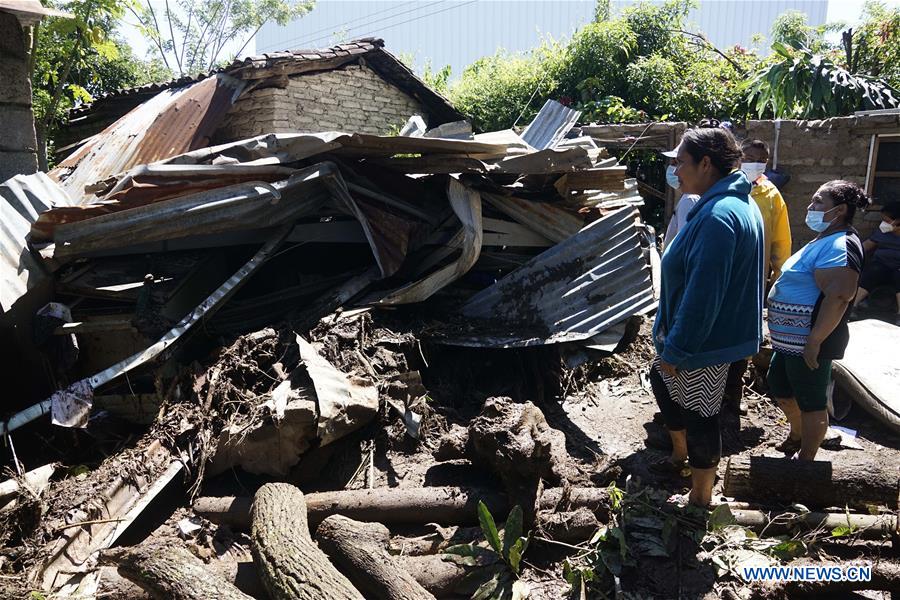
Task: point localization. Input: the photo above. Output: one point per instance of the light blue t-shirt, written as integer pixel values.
(795, 297)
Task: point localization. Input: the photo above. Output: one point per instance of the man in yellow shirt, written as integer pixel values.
(777, 242)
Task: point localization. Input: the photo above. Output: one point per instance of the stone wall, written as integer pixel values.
(353, 99)
(17, 140)
(811, 152)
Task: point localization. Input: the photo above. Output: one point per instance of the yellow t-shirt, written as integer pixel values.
(776, 229)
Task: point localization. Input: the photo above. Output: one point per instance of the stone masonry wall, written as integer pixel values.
(354, 99)
(17, 140)
(811, 152)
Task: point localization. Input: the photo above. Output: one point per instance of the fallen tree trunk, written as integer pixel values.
(440, 577)
(816, 484)
(290, 564)
(358, 549)
(406, 506)
(171, 573)
(863, 526)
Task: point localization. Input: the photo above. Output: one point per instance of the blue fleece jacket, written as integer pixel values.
(710, 308)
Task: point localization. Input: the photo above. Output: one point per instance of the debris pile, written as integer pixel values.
(342, 355)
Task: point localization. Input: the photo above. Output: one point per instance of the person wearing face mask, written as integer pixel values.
(682, 206)
(884, 266)
(777, 244)
(710, 307)
(809, 305)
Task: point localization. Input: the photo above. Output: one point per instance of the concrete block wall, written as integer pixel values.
(814, 152)
(18, 145)
(354, 99)
(811, 152)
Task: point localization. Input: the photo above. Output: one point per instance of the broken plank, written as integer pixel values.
(76, 551)
(607, 179)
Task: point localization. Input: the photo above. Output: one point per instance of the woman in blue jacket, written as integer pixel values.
(710, 309)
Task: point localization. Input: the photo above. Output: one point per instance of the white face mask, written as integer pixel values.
(753, 170)
(885, 227)
(671, 177)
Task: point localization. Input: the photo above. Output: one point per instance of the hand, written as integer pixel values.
(668, 369)
(811, 354)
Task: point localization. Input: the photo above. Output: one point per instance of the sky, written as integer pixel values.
(848, 11)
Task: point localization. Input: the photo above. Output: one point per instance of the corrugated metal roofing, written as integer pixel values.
(571, 292)
(550, 125)
(171, 123)
(24, 197)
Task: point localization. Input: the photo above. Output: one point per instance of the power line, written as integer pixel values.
(362, 18)
(419, 17)
(286, 43)
(420, 7)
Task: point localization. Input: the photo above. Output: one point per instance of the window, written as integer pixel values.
(883, 182)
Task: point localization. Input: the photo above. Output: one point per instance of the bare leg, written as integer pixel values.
(898, 302)
(679, 445)
(861, 295)
(701, 486)
(794, 416)
(815, 425)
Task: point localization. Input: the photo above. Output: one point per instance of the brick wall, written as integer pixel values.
(811, 152)
(17, 141)
(353, 99)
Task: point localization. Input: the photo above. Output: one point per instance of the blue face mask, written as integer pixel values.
(671, 178)
(815, 220)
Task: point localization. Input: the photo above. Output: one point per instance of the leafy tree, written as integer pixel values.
(71, 60)
(496, 91)
(190, 36)
(874, 48)
(806, 85)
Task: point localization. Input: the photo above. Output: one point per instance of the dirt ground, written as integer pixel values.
(604, 407)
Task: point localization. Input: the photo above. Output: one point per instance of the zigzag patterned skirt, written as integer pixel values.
(699, 390)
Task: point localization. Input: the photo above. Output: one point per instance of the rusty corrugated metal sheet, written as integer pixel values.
(549, 220)
(171, 123)
(573, 291)
(154, 183)
(550, 125)
(22, 199)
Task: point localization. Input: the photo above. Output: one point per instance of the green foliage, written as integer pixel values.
(791, 28)
(876, 44)
(634, 66)
(75, 59)
(806, 85)
(494, 90)
(438, 80)
(503, 555)
(190, 36)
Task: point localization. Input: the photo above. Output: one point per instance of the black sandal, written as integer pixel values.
(789, 446)
(667, 468)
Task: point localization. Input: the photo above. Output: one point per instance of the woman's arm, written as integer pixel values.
(838, 284)
(869, 246)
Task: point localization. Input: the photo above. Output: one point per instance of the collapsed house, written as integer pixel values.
(254, 303)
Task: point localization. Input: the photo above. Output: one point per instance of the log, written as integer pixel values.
(440, 577)
(815, 484)
(168, 572)
(405, 506)
(359, 551)
(290, 564)
(864, 526)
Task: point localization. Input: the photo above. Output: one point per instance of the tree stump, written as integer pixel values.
(171, 573)
(816, 484)
(290, 564)
(359, 550)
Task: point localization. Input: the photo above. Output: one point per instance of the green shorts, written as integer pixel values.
(789, 377)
